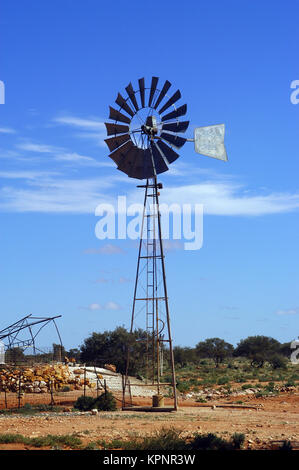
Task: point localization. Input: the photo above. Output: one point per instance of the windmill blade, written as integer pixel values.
(209, 141)
(173, 139)
(163, 92)
(118, 154)
(113, 129)
(115, 142)
(137, 169)
(128, 161)
(171, 101)
(176, 126)
(153, 89)
(142, 91)
(124, 105)
(181, 111)
(131, 93)
(117, 116)
(169, 154)
(159, 162)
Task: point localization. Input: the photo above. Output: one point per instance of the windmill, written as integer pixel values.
(144, 135)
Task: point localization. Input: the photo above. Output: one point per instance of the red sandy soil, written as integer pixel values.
(270, 419)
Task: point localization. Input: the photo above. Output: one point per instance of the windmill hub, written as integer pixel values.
(150, 128)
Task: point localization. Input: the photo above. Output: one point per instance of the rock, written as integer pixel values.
(110, 367)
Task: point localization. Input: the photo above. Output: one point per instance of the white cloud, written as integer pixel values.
(27, 174)
(63, 155)
(82, 159)
(48, 194)
(39, 148)
(94, 306)
(112, 306)
(56, 195)
(172, 245)
(74, 121)
(7, 130)
(107, 306)
(230, 199)
(290, 311)
(107, 249)
(92, 129)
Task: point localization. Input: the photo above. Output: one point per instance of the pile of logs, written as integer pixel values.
(42, 379)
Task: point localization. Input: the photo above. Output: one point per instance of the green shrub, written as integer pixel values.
(238, 440)
(105, 402)
(223, 381)
(164, 439)
(246, 386)
(270, 387)
(183, 386)
(278, 361)
(212, 442)
(84, 403)
(290, 383)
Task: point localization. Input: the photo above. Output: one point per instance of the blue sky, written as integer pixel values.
(63, 63)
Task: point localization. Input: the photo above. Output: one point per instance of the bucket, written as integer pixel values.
(158, 401)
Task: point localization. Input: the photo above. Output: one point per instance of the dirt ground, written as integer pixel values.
(264, 422)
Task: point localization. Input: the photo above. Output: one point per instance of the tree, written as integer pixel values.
(111, 347)
(278, 361)
(214, 348)
(73, 353)
(258, 349)
(285, 349)
(14, 355)
(183, 356)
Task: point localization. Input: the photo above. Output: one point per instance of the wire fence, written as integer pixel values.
(16, 393)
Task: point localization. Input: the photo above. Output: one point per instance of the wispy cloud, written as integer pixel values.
(93, 129)
(111, 305)
(107, 249)
(27, 174)
(48, 194)
(63, 155)
(231, 199)
(172, 245)
(74, 121)
(39, 148)
(288, 311)
(7, 130)
(55, 195)
(121, 280)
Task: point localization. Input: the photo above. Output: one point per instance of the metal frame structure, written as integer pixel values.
(12, 332)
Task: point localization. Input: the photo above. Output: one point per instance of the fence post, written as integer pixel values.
(84, 385)
(51, 393)
(19, 391)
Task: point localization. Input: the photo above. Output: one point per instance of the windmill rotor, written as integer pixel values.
(145, 132)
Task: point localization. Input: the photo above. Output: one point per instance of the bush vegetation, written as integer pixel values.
(104, 402)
